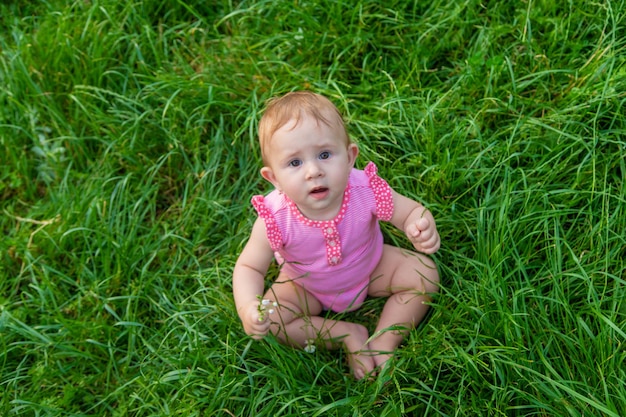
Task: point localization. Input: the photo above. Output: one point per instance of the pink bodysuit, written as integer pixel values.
(333, 259)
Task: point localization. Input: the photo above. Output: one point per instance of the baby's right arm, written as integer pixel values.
(248, 280)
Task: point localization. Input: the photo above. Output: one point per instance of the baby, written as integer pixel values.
(321, 224)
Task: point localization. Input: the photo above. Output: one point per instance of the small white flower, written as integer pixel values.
(309, 347)
(300, 35)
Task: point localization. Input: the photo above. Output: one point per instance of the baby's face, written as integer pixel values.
(310, 162)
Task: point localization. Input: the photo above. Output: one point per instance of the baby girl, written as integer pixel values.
(321, 224)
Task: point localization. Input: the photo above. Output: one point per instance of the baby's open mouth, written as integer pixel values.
(319, 190)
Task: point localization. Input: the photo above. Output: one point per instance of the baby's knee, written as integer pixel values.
(428, 274)
(283, 314)
(433, 278)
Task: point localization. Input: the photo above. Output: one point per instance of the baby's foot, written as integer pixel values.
(362, 364)
(360, 360)
(382, 361)
(380, 355)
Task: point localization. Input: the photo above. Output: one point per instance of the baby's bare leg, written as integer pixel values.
(331, 334)
(296, 322)
(408, 279)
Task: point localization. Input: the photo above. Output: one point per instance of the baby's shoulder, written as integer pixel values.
(272, 202)
(365, 177)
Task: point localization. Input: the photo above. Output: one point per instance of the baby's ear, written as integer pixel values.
(353, 152)
(268, 174)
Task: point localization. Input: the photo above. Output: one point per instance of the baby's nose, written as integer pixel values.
(314, 170)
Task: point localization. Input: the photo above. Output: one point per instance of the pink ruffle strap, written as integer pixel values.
(271, 228)
(382, 193)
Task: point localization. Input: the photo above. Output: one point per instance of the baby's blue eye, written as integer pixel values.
(295, 163)
(325, 155)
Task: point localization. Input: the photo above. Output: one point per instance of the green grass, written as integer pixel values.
(128, 156)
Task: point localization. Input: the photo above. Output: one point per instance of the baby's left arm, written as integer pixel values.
(417, 222)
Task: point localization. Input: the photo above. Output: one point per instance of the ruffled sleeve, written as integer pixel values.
(271, 228)
(382, 193)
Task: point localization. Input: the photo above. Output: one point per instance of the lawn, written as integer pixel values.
(128, 156)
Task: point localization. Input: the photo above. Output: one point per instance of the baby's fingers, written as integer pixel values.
(426, 234)
(432, 244)
(423, 224)
(258, 329)
(412, 231)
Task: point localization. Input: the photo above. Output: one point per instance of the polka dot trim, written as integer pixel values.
(271, 228)
(328, 228)
(382, 193)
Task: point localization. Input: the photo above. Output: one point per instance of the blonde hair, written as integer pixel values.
(293, 106)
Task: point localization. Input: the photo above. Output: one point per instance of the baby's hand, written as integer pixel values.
(256, 320)
(424, 236)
